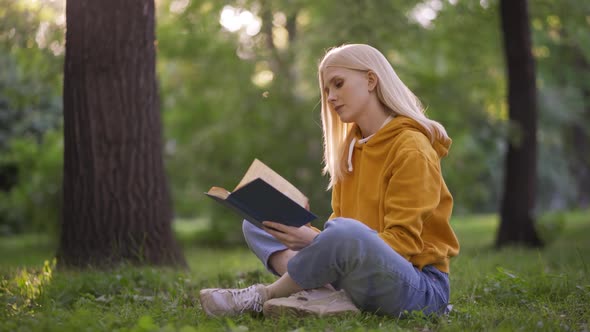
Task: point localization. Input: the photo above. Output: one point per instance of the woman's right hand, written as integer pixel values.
(294, 238)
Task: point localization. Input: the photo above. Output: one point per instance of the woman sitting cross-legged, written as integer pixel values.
(386, 247)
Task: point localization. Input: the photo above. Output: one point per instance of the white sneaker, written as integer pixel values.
(218, 302)
(315, 302)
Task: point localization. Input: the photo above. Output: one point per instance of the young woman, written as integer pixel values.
(388, 241)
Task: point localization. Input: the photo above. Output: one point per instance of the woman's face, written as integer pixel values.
(347, 92)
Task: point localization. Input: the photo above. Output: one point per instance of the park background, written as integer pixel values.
(237, 80)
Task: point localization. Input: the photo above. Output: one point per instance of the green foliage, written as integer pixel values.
(33, 203)
(459, 78)
(31, 52)
(563, 62)
(31, 49)
(511, 289)
(218, 115)
(230, 121)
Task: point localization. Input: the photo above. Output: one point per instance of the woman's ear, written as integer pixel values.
(372, 80)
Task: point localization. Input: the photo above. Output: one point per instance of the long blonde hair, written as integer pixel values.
(391, 91)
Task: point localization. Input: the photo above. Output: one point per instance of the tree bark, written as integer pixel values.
(518, 201)
(117, 205)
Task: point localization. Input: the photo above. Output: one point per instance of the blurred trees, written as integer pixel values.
(238, 81)
(31, 52)
(31, 45)
(562, 50)
(116, 204)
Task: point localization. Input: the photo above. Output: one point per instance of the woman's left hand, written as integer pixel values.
(295, 238)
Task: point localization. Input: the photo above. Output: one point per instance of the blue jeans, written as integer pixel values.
(351, 256)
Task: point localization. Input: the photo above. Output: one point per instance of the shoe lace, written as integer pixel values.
(248, 298)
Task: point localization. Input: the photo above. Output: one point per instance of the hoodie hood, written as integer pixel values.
(391, 129)
(396, 126)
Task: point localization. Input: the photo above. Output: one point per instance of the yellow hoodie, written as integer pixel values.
(396, 188)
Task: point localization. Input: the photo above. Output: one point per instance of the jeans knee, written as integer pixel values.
(250, 231)
(345, 229)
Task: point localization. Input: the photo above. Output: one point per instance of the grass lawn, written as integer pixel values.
(509, 290)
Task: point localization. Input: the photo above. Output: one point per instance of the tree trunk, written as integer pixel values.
(518, 201)
(117, 204)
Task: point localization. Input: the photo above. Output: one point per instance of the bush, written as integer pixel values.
(33, 203)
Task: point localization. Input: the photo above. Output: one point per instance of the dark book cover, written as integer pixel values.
(258, 201)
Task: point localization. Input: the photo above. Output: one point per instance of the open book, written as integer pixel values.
(262, 195)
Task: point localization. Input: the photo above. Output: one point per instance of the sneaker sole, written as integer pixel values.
(275, 311)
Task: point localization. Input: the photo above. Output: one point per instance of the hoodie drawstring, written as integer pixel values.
(350, 148)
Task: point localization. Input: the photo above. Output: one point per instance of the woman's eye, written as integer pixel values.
(339, 84)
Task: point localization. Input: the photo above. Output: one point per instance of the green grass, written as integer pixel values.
(509, 290)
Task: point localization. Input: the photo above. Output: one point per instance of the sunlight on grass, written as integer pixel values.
(21, 291)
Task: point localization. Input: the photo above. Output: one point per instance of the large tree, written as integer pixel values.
(116, 204)
(518, 201)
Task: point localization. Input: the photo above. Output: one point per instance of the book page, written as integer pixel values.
(259, 170)
(218, 192)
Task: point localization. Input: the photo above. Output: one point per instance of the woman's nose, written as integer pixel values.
(331, 97)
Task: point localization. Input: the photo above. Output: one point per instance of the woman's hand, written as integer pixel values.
(295, 238)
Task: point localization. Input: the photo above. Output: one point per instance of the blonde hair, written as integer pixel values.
(391, 91)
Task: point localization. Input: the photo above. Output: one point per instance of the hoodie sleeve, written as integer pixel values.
(412, 193)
